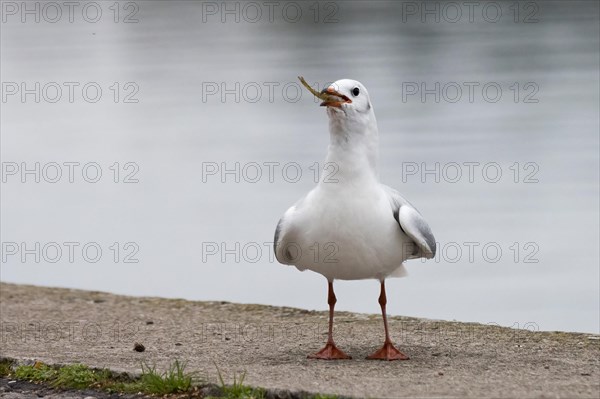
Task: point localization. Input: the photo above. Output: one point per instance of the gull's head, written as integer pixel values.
(349, 109)
(351, 115)
(346, 97)
(352, 124)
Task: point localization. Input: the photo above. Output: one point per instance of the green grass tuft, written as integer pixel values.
(39, 372)
(238, 390)
(73, 376)
(79, 376)
(5, 368)
(174, 380)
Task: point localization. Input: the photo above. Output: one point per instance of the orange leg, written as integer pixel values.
(330, 351)
(388, 351)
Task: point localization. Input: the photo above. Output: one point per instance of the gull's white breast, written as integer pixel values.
(345, 232)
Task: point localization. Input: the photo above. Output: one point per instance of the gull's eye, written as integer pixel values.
(355, 91)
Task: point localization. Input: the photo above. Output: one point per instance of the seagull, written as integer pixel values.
(350, 226)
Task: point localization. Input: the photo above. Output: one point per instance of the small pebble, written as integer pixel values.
(139, 347)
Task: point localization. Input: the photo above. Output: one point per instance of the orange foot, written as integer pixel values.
(329, 352)
(388, 352)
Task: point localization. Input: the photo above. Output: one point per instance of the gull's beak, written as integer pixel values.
(333, 98)
(330, 97)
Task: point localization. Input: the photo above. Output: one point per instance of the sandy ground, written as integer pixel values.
(270, 344)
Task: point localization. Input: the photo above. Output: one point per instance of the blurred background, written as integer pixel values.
(150, 148)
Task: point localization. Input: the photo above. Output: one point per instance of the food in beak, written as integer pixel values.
(330, 97)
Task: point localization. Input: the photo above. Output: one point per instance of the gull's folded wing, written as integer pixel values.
(412, 224)
(285, 234)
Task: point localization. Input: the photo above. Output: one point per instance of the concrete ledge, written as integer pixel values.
(270, 344)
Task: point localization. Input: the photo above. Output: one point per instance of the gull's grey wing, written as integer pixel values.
(412, 224)
(278, 244)
(284, 234)
(277, 234)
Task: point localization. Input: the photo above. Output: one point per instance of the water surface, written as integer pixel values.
(544, 219)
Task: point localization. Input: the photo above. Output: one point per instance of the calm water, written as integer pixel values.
(517, 249)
